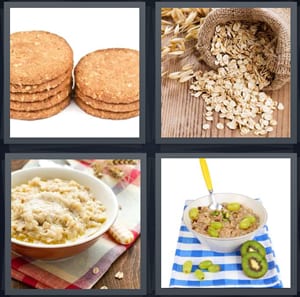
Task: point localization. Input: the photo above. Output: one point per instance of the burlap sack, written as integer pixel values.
(277, 18)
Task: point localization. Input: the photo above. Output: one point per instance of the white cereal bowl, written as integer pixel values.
(64, 250)
(226, 244)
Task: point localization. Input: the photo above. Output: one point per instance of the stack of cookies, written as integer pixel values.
(107, 83)
(40, 74)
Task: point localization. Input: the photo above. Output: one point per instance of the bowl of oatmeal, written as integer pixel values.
(225, 230)
(58, 212)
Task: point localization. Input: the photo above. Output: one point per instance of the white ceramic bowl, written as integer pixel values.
(58, 251)
(233, 243)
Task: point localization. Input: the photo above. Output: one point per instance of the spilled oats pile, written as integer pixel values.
(242, 52)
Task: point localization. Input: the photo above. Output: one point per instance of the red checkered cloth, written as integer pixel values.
(78, 272)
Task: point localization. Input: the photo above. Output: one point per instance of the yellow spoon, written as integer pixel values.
(213, 205)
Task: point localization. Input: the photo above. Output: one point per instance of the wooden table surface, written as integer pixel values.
(182, 114)
(128, 263)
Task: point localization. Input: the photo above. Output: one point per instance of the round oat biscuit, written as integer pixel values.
(43, 104)
(121, 107)
(104, 114)
(40, 114)
(37, 57)
(109, 75)
(41, 87)
(40, 96)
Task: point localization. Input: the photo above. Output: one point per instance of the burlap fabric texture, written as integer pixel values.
(277, 18)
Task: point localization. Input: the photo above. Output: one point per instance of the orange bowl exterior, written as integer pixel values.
(51, 253)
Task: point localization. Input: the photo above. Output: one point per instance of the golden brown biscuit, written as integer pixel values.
(37, 57)
(38, 105)
(105, 114)
(41, 87)
(39, 96)
(109, 75)
(121, 107)
(40, 114)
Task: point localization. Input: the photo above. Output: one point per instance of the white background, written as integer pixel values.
(267, 179)
(86, 30)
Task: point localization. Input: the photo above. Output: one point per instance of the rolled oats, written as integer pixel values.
(242, 50)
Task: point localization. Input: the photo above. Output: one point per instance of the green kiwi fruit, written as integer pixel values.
(252, 246)
(254, 265)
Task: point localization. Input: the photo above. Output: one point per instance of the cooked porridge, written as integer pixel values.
(54, 211)
(232, 221)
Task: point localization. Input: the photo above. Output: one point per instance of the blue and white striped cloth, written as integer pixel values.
(231, 274)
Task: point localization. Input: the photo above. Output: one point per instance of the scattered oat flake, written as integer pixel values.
(119, 275)
(280, 106)
(220, 126)
(244, 131)
(231, 125)
(96, 270)
(205, 126)
(104, 288)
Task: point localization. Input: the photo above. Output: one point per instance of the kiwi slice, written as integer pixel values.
(252, 246)
(254, 265)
